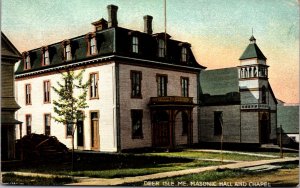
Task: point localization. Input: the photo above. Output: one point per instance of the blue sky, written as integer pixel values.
(218, 30)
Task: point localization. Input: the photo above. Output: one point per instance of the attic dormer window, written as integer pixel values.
(135, 44)
(184, 58)
(92, 45)
(27, 64)
(67, 50)
(161, 48)
(184, 54)
(46, 60)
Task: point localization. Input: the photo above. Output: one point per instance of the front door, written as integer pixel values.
(95, 131)
(161, 130)
(264, 129)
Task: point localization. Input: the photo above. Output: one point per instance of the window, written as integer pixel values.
(162, 81)
(136, 77)
(184, 87)
(135, 44)
(46, 60)
(28, 94)
(137, 124)
(69, 129)
(183, 54)
(67, 52)
(94, 85)
(28, 124)
(93, 49)
(27, 64)
(47, 123)
(47, 91)
(218, 123)
(161, 48)
(185, 123)
(264, 95)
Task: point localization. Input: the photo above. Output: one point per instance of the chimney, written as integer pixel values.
(148, 24)
(112, 16)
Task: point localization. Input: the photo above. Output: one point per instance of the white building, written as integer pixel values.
(143, 92)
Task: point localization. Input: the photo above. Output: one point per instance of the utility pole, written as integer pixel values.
(281, 152)
(221, 122)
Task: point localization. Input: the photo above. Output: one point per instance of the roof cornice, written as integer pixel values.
(76, 64)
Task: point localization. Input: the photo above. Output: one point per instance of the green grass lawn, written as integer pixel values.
(13, 179)
(210, 155)
(123, 172)
(285, 154)
(100, 165)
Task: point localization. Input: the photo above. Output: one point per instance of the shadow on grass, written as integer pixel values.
(13, 179)
(96, 162)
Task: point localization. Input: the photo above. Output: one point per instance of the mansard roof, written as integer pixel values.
(113, 41)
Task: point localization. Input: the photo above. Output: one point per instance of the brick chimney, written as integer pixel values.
(112, 16)
(148, 24)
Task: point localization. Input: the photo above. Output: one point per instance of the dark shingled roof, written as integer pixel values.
(111, 41)
(288, 117)
(220, 86)
(253, 51)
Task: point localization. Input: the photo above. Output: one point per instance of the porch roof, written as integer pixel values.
(172, 101)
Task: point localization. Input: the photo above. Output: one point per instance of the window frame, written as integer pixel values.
(184, 54)
(67, 130)
(26, 59)
(67, 50)
(45, 59)
(28, 94)
(136, 115)
(184, 90)
(218, 127)
(161, 48)
(91, 86)
(135, 44)
(68, 53)
(136, 83)
(28, 123)
(47, 126)
(93, 48)
(162, 90)
(46, 97)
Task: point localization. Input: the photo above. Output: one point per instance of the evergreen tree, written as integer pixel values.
(72, 93)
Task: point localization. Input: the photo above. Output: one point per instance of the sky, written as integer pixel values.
(218, 30)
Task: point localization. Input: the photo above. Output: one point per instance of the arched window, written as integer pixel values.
(264, 95)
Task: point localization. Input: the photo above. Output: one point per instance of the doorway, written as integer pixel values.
(264, 128)
(161, 131)
(95, 142)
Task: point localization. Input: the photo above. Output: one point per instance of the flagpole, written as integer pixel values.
(165, 15)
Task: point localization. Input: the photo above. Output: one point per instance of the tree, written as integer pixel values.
(71, 101)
